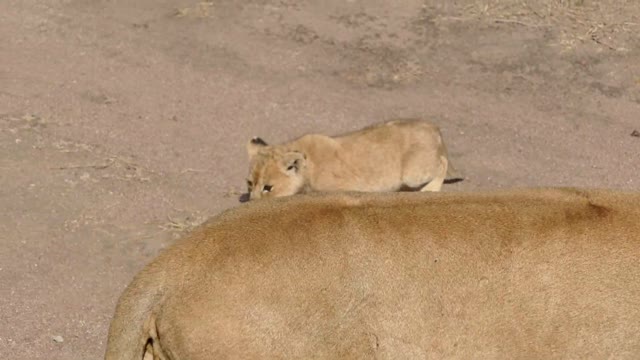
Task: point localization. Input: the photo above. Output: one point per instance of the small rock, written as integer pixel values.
(58, 339)
(635, 133)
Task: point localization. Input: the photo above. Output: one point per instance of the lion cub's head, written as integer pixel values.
(273, 172)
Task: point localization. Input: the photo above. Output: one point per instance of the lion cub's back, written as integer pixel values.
(394, 137)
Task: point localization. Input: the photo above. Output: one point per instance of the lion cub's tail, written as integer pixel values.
(133, 324)
(453, 173)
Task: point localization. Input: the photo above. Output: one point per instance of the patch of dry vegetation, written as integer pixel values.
(611, 24)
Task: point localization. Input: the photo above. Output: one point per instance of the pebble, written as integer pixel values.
(58, 338)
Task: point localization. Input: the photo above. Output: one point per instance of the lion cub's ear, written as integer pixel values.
(293, 161)
(255, 145)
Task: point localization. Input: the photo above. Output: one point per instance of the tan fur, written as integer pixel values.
(383, 157)
(526, 274)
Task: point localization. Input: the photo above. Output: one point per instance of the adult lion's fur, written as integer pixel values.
(538, 273)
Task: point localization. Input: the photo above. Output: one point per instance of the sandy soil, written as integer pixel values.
(123, 123)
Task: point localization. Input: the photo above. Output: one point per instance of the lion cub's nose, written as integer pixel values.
(244, 197)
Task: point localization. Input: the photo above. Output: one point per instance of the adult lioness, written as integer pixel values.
(383, 157)
(538, 274)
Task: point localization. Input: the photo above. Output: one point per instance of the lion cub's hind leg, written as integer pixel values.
(438, 178)
(424, 170)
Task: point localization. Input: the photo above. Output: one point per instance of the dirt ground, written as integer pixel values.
(123, 123)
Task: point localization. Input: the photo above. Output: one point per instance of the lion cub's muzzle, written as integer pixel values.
(244, 197)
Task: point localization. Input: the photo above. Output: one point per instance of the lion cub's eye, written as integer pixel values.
(267, 188)
(249, 184)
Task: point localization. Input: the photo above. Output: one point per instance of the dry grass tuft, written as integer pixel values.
(181, 224)
(203, 9)
(232, 192)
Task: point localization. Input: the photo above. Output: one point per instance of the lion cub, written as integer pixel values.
(384, 157)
